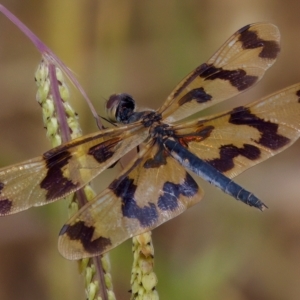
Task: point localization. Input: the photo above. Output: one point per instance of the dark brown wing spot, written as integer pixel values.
(80, 232)
(5, 206)
(125, 189)
(268, 130)
(159, 159)
(237, 78)
(196, 94)
(229, 152)
(168, 200)
(55, 183)
(103, 151)
(250, 40)
(199, 70)
(298, 95)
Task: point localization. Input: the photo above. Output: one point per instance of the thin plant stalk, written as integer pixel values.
(62, 125)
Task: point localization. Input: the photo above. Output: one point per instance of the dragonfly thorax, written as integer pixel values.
(161, 131)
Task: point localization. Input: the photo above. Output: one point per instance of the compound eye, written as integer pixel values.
(119, 108)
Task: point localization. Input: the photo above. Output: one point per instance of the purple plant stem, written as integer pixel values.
(51, 57)
(58, 102)
(52, 60)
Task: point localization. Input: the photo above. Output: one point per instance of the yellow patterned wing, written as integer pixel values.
(247, 135)
(235, 67)
(153, 189)
(64, 169)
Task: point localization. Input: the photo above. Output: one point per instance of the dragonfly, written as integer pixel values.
(156, 185)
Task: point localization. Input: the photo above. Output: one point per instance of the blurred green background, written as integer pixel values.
(219, 249)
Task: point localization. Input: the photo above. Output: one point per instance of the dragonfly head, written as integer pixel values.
(119, 108)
